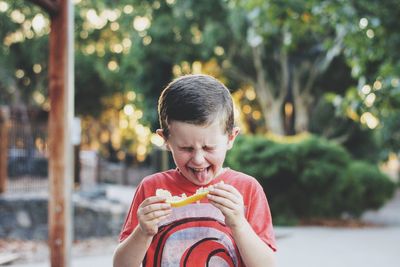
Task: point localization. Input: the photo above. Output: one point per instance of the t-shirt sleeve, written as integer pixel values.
(131, 220)
(259, 217)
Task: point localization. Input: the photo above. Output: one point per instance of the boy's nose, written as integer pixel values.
(198, 157)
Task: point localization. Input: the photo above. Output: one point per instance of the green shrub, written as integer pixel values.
(319, 173)
(364, 187)
(311, 178)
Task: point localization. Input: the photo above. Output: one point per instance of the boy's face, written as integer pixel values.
(198, 151)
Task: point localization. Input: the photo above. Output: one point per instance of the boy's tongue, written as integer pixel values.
(201, 175)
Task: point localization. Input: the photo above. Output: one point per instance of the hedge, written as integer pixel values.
(311, 178)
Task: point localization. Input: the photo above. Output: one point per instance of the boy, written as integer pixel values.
(233, 225)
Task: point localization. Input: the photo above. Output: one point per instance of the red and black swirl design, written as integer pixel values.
(212, 248)
(193, 242)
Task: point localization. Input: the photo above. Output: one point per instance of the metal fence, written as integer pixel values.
(27, 160)
(27, 164)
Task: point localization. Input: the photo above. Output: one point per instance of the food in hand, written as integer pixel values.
(183, 200)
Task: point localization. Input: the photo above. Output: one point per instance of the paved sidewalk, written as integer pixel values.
(310, 247)
(104, 260)
(388, 215)
(334, 247)
(317, 246)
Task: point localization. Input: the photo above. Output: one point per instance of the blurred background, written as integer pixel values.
(316, 87)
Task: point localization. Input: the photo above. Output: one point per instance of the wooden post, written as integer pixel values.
(4, 123)
(60, 124)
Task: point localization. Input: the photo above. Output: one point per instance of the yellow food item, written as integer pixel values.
(183, 200)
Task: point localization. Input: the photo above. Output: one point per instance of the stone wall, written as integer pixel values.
(25, 217)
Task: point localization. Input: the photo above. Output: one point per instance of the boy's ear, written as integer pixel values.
(232, 136)
(160, 132)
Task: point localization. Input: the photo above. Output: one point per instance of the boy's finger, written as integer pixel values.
(225, 202)
(155, 207)
(219, 206)
(228, 187)
(227, 211)
(161, 218)
(235, 198)
(152, 200)
(158, 213)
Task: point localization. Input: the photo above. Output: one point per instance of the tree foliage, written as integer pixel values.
(292, 53)
(374, 59)
(23, 53)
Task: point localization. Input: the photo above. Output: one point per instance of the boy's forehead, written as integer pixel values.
(180, 126)
(186, 132)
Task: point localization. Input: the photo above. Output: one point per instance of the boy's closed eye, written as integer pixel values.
(191, 149)
(186, 149)
(209, 148)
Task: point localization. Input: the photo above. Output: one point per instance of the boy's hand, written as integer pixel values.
(228, 199)
(151, 212)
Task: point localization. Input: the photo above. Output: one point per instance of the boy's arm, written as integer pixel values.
(131, 251)
(253, 250)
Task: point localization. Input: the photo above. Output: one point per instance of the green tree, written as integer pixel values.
(290, 52)
(289, 46)
(374, 59)
(23, 53)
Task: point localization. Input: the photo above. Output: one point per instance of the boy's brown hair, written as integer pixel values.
(196, 99)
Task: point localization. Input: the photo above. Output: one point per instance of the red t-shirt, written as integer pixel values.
(196, 235)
